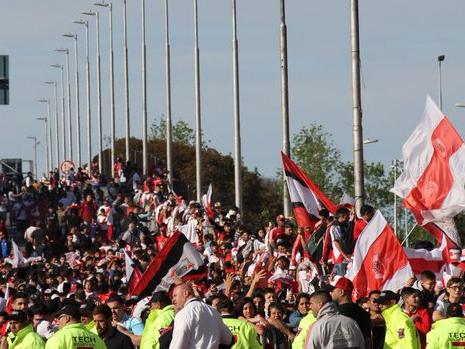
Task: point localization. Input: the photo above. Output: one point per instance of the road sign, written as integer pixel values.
(67, 165)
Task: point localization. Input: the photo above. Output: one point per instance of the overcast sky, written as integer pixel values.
(400, 42)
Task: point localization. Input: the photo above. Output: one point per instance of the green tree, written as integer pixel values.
(314, 151)
(181, 131)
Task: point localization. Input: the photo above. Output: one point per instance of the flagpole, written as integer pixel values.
(284, 103)
(198, 126)
(356, 107)
(409, 233)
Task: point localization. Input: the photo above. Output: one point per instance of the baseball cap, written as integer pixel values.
(17, 315)
(454, 310)
(387, 296)
(71, 309)
(342, 283)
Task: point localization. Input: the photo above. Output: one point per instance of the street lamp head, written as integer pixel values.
(89, 13)
(102, 4)
(441, 58)
(50, 82)
(43, 100)
(80, 21)
(42, 119)
(460, 105)
(70, 35)
(370, 141)
(65, 50)
(60, 66)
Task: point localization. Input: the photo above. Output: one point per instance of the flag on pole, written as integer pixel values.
(379, 261)
(16, 258)
(433, 181)
(307, 199)
(177, 259)
(133, 274)
(207, 202)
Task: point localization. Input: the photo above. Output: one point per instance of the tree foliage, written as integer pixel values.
(181, 131)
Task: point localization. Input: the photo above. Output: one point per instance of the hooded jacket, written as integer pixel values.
(26, 338)
(334, 331)
(400, 330)
(447, 333)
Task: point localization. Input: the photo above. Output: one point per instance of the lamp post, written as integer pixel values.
(144, 93)
(47, 145)
(112, 80)
(237, 117)
(440, 60)
(284, 101)
(99, 89)
(57, 145)
(370, 141)
(126, 78)
(198, 125)
(63, 126)
(49, 133)
(89, 127)
(169, 139)
(36, 143)
(78, 118)
(356, 107)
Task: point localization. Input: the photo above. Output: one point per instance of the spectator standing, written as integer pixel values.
(129, 325)
(22, 335)
(114, 339)
(454, 293)
(400, 330)
(450, 332)
(419, 315)
(196, 324)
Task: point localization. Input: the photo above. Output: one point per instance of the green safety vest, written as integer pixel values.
(157, 322)
(447, 333)
(26, 338)
(91, 327)
(401, 332)
(243, 332)
(75, 336)
(302, 331)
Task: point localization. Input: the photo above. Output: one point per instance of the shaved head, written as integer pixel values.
(181, 294)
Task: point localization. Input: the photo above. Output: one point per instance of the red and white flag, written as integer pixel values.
(133, 274)
(433, 180)
(207, 202)
(379, 261)
(307, 199)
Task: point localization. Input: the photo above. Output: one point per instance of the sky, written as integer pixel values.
(399, 42)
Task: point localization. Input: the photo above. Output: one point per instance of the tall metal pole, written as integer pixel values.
(395, 197)
(126, 79)
(285, 102)
(63, 124)
(57, 145)
(169, 140)
(34, 139)
(198, 125)
(440, 60)
(237, 117)
(69, 155)
(99, 89)
(112, 83)
(49, 129)
(47, 145)
(356, 107)
(144, 94)
(89, 126)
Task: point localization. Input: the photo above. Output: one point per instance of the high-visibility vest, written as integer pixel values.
(447, 333)
(243, 332)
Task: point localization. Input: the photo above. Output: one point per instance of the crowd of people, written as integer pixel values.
(63, 281)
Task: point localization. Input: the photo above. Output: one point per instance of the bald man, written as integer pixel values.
(196, 324)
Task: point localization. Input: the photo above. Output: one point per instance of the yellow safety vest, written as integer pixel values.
(243, 332)
(447, 333)
(401, 333)
(302, 331)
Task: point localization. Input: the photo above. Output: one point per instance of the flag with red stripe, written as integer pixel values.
(133, 274)
(307, 199)
(379, 261)
(177, 259)
(433, 181)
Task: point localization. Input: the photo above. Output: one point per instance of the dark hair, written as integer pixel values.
(274, 305)
(116, 299)
(428, 275)
(342, 211)
(161, 297)
(300, 296)
(240, 306)
(38, 309)
(323, 213)
(324, 295)
(268, 290)
(408, 291)
(103, 309)
(225, 305)
(366, 209)
(19, 295)
(373, 292)
(362, 300)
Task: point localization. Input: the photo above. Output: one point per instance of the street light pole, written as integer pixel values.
(78, 117)
(198, 125)
(440, 60)
(112, 82)
(49, 134)
(169, 140)
(356, 107)
(57, 145)
(237, 117)
(144, 93)
(284, 102)
(126, 78)
(47, 145)
(68, 111)
(89, 126)
(99, 89)
(63, 126)
(36, 143)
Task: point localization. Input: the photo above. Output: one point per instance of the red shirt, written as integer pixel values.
(359, 225)
(160, 241)
(88, 209)
(422, 322)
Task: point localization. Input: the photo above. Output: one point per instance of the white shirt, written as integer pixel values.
(199, 326)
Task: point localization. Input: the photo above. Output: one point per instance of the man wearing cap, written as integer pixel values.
(22, 335)
(73, 334)
(332, 330)
(400, 330)
(160, 319)
(341, 292)
(450, 332)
